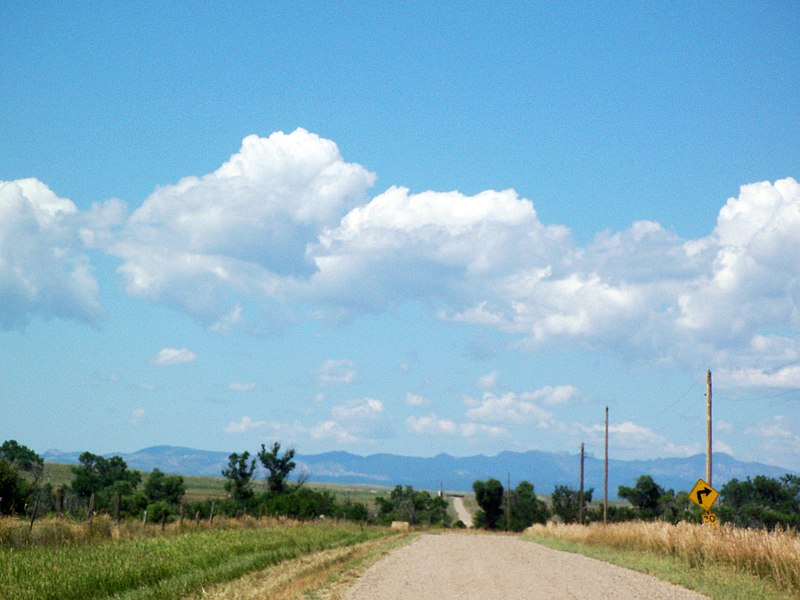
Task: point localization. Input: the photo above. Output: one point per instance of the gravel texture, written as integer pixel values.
(497, 567)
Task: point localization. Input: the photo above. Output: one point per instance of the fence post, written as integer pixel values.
(144, 518)
(183, 511)
(211, 516)
(35, 509)
(197, 518)
(90, 512)
(59, 502)
(116, 508)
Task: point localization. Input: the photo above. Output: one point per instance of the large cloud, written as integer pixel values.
(648, 292)
(43, 268)
(754, 279)
(440, 247)
(285, 224)
(242, 229)
(286, 221)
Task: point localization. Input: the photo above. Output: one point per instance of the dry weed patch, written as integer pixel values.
(771, 556)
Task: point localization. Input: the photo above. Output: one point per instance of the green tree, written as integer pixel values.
(277, 466)
(164, 488)
(301, 504)
(21, 470)
(106, 477)
(761, 502)
(14, 489)
(23, 458)
(647, 496)
(414, 506)
(566, 503)
(526, 508)
(489, 495)
(239, 476)
(677, 507)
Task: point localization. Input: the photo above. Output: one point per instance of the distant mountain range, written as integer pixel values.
(544, 470)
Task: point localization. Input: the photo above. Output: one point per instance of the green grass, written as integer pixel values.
(57, 474)
(169, 566)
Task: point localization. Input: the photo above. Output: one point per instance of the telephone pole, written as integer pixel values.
(580, 493)
(508, 504)
(708, 427)
(605, 478)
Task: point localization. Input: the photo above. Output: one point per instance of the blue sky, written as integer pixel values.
(417, 228)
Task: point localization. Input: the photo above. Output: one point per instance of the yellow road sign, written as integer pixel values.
(703, 495)
(710, 519)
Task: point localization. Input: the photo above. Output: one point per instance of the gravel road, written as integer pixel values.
(462, 512)
(489, 567)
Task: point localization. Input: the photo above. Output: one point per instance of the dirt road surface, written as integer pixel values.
(462, 512)
(494, 567)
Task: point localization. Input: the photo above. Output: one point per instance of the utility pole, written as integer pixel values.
(580, 493)
(605, 478)
(708, 427)
(508, 504)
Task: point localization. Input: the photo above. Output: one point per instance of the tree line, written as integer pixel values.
(760, 502)
(112, 486)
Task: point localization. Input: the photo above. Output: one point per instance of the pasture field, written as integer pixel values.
(136, 562)
(201, 487)
(721, 562)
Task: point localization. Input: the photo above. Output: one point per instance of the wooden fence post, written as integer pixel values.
(183, 511)
(116, 508)
(144, 518)
(90, 512)
(35, 509)
(59, 502)
(211, 516)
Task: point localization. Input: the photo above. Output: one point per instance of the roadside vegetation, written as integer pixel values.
(724, 562)
(139, 562)
(100, 526)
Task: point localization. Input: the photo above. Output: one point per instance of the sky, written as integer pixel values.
(414, 228)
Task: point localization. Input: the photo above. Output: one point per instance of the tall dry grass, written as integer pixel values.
(52, 531)
(771, 555)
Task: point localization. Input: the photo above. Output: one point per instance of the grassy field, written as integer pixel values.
(206, 487)
(136, 563)
(720, 562)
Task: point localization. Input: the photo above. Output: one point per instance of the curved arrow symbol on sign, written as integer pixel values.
(701, 494)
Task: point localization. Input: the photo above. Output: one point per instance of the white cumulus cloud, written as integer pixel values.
(44, 270)
(431, 424)
(631, 440)
(511, 409)
(202, 242)
(244, 425)
(174, 356)
(285, 225)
